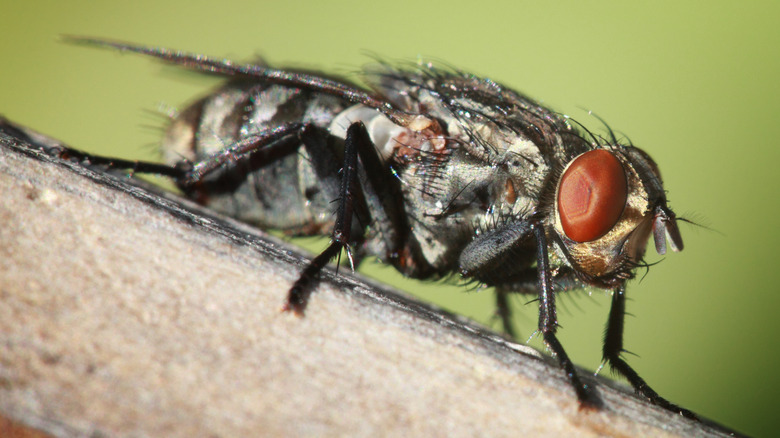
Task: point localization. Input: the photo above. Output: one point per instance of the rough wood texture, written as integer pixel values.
(128, 313)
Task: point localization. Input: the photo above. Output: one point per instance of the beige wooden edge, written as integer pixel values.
(124, 313)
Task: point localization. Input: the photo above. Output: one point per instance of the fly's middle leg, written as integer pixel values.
(504, 313)
(349, 192)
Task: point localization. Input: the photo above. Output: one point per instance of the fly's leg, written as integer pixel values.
(285, 137)
(357, 137)
(504, 313)
(548, 321)
(613, 348)
(175, 172)
(485, 259)
(54, 148)
(525, 282)
(187, 175)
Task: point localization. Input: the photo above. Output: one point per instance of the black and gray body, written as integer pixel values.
(431, 170)
(489, 164)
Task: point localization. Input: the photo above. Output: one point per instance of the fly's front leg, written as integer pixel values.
(613, 348)
(548, 321)
(357, 138)
(487, 259)
(492, 259)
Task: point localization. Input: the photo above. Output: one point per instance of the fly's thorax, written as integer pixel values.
(454, 201)
(603, 215)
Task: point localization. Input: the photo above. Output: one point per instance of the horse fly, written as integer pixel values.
(435, 172)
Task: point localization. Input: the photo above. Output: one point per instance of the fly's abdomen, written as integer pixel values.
(272, 187)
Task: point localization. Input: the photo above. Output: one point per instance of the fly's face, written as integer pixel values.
(607, 202)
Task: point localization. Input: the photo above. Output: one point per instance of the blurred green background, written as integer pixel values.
(694, 84)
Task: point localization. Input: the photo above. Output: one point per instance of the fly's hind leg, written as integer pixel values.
(175, 172)
(190, 175)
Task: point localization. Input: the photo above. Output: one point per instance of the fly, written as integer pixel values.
(435, 172)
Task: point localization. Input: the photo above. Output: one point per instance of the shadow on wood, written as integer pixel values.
(125, 312)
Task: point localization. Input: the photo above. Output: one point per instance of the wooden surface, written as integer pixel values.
(126, 313)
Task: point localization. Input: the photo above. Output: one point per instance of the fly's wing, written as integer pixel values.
(261, 73)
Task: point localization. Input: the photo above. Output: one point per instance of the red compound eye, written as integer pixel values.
(592, 195)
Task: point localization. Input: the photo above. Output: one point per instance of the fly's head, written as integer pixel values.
(607, 203)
